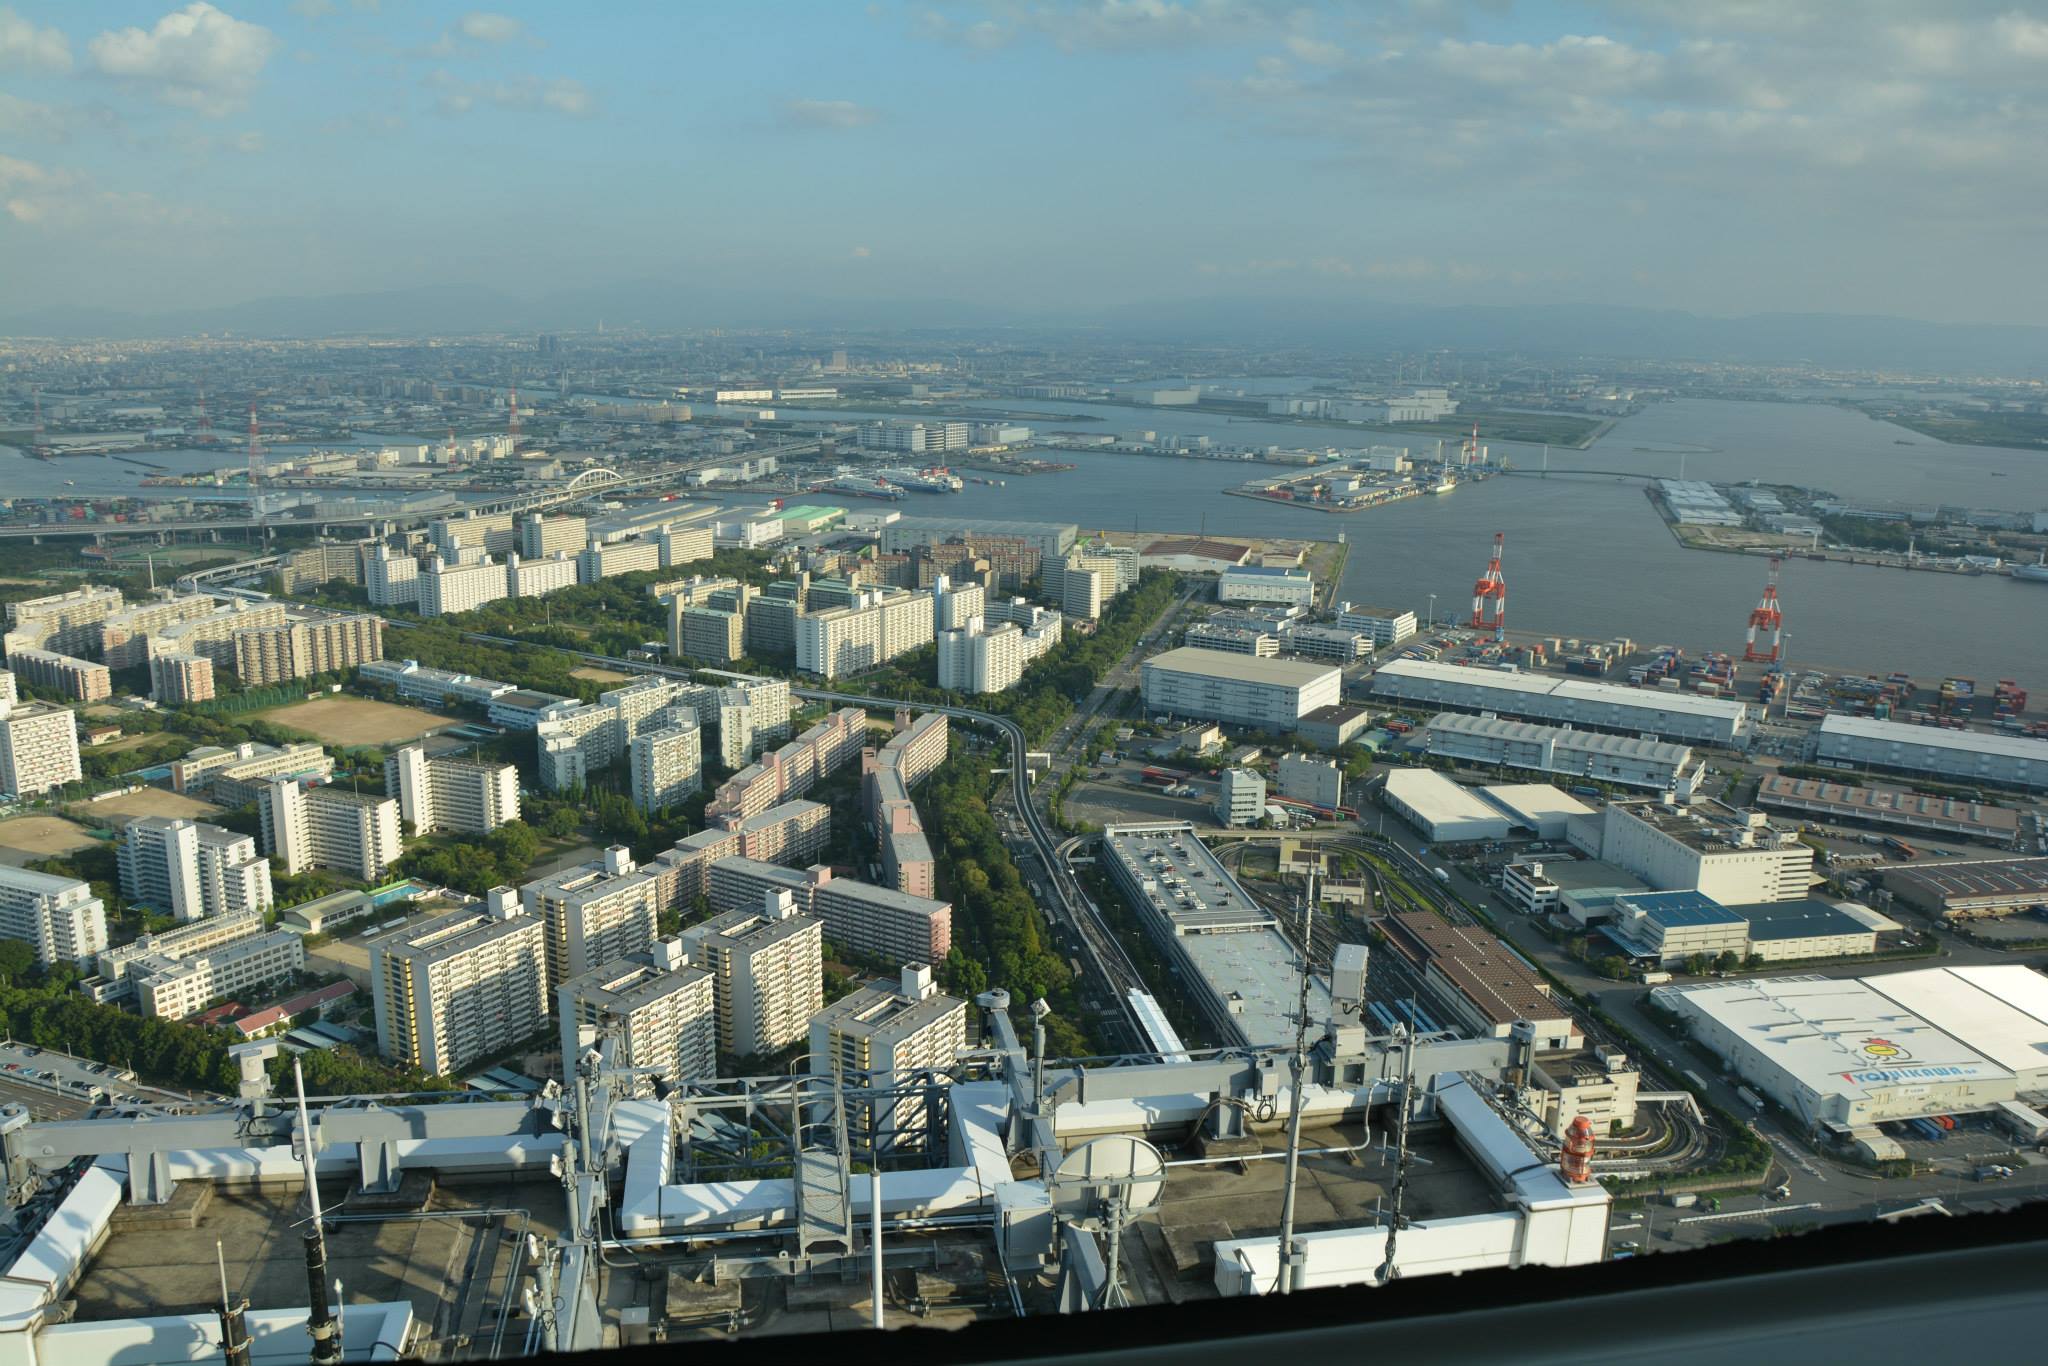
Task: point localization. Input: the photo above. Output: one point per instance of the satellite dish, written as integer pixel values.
(1114, 1170)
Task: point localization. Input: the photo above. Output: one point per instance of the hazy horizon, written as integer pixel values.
(1037, 160)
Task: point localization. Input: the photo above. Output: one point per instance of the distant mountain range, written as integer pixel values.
(1562, 330)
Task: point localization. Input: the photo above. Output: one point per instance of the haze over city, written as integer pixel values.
(1022, 161)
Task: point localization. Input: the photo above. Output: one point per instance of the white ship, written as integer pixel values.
(2036, 572)
(936, 479)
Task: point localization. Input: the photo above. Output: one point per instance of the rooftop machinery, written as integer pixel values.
(1490, 595)
(1767, 616)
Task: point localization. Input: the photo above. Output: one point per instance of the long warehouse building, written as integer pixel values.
(1970, 756)
(1681, 717)
(1596, 755)
(1243, 690)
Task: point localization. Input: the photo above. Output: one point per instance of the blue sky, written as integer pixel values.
(1725, 157)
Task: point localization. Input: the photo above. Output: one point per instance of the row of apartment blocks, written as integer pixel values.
(790, 771)
(888, 774)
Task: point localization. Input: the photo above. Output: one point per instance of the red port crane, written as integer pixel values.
(1490, 595)
(1767, 616)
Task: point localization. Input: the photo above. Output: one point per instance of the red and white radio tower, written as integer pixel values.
(255, 463)
(204, 434)
(1471, 452)
(451, 445)
(1490, 595)
(1768, 616)
(514, 427)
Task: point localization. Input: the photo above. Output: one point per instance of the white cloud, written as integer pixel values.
(828, 114)
(198, 58)
(26, 118)
(1112, 25)
(485, 27)
(523, 94)
(26, 47)
(35, 195)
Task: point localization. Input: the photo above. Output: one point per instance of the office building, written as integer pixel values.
(38, 746)
(62, 623)
(1384, 625)
(543, 536)
(467, 796)
(661, 1010)
(883, 1035)
(1684, 718)
(1950, 756)
(537, 576)
(58, 917)
(1737, 857)
(301, 649)
(1240, 797)
(177, 679)
(1308, 778)
(667, 764)
(77, 680)
(594, 912)
(1267, 583)
(326, 827)
(412, 680)
(768, 968)
(459, 986)
(178, 988)
(1269, 694)
(190, 869)
(1622, 760)
(877, 627)
(447, 587)
(880, 922)
(230, 777)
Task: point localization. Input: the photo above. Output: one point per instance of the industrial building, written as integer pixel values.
(1485, 983)
(1537, 808)
(1737, 857)
(1239, 970)
(1333, 727)
(1050, 539)
(1846, 1054)
(1956, 756)
(1267, 583)
(1979, 887)
(1583, 888)
(1891, 807)
(1669, 927)
(1624, 760)
(1311, 779)
(1269, 694)
(1444, 811)
(1682, 717)
(1385, 625)
(468, 796)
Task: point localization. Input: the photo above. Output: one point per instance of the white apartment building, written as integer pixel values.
(881, 921)
(190, 869)
(460, 986)
(390, 575)
(38, 745)
(491, 533)
(684, 544)
(542, 536)
(954, 605)
(469, 796)
(668, 764)
(58, 917)
(710, 634)
(1240, 797)
(663, 1009)
(618, 557)
(594, 912)
(178, 988)
(325, 827)
(1736, 857)
(584, 738)
(446, 587)
(886, 1032)
(537, 576)
(878, 626)
(67, 623)
(978, 659)
(178, 679)
(767, 965)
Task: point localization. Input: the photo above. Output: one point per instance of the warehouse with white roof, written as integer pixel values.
(1596, 755)
(1850, 1053)
(1444, 811)
(1956, 755)
(1539, 808)
(1683, 717)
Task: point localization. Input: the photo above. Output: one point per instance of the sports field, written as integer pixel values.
(33, 837)
(356, 720)
(149, 801)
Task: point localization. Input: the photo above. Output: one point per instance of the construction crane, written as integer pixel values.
(1767, 616)
(1490, 595)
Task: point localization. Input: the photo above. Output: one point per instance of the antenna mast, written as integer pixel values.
(255, 464)
(1395, 1218)
(1292, 1260)
(204, 434)
(513, 428)
(320, 1322)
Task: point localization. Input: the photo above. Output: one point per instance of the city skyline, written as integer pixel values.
(1027, 162)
